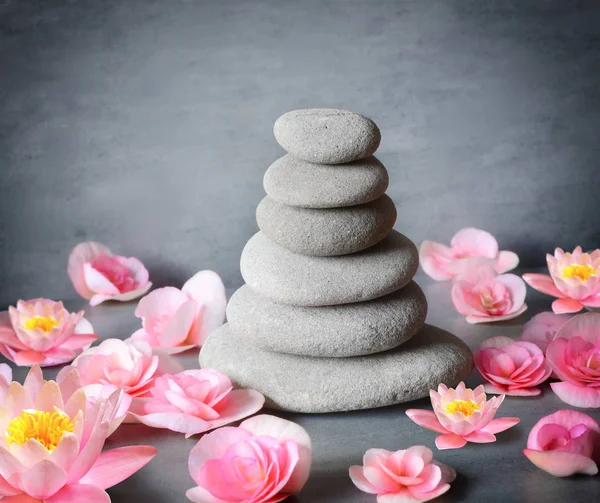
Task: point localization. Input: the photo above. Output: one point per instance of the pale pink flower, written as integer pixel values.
(407, 476)
(443, 262)
(565, 443)
(264, 460)
(484, 297)
(176, 320)
(51, 440)
(98, 275)
(574, 355)
(542, 328)
(43, 332)
(462, 415)
(511, 367)
(574, 279)
(195, 401)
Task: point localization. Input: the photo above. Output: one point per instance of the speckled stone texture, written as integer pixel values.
(295, 182)
(290, 278)
(329, 331)
(306, 384)
(326, 232)
(327, 135)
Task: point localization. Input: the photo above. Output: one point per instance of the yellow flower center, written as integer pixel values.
(45, 427)
(583, 272)
(44, 323)
(466, 407)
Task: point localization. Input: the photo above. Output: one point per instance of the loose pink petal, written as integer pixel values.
(43, 480)
(561, 463)
(84, 253)
(80, 493)
(475, 242)
(434, 257)
(542, 283)
(577, 396)
(449, 441)
(506, 261)
(427, 419)
(562, 306)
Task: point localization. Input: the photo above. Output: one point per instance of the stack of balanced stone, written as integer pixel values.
(330, 319)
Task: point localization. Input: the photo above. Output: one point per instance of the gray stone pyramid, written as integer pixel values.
(330, 319)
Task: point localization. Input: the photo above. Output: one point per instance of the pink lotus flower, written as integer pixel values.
(462, 415)
(51, 440)
(442, 262)
(565, 443)
(98, 275)
(195, 401)
(264, 460)
(43, 332)
(407, 476)
(484, 297)
(574, 355)
(541, 329)
(511, 367)
(177, 320)
(574, 279)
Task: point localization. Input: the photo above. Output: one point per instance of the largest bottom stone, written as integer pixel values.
(308, 384)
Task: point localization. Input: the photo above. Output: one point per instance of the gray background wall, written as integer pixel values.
(147, 125)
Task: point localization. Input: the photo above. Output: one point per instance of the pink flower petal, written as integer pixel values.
(577, 396)
(239, 404)
(531, 391)
(427, 419)
(516, 286)
(43, 480)
(49, 397)
(90, 452)
(475, 242)
(481, 437)
(561, 463)
(121, 297)
(19, 498)
(179, 326)
(200, 495)
(566, 305)
(359, 480)
(79, 493)
(84, 253)
(29, 358)
(501, 424)
(434, 257)
(449, 441)
(542, 283)
(79, 341)
(506, 261)
(491, 319)
(97, 282)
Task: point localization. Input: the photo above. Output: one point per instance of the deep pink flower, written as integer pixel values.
(264, 460)
(565, 443)
(511, 367)
(409, 476)
(442, 262)
(462, 415)
(542, 328)
(98, 275)
(43, 332)
(574, 279)
(574, 355)
(176, 320)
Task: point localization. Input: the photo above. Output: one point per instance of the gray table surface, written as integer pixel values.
(497, 472)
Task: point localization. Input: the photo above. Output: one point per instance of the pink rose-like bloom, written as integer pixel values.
(574, 355)
(484, 297)
(443, 262)
(462, 415)
(177, 320)
(264, 460)
(195, 401)
(565, 443)
(98, 275)
(51, 438)
(542, 328)
(408, 476)
(43, 332)
(511, 367)
(574, 279)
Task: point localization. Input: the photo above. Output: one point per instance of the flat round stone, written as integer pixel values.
(331, 331)
(326, 135)
(326, 232)
(307, 384)
(295, 182)
(290, 278)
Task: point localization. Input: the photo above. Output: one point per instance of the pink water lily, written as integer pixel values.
(565, 443)
(462, 415)
(176, 320)
(407, 476)
(511, 367)
(541, 329)
(574, 279)
(195, 401)
(51, 438)
(98, 275)
(43, 332)
(443, 262)
(264, 460)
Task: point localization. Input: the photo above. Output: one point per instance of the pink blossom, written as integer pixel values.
(462, 415)
(443, 262)
(43, 332)
(264, 460)
(542, 328)
(98, 275)
(574, 355)
(574, 279)
(485, 297)
(176, 320)
(511, 367)
(565, 443)
(51, 440)
(409, 476)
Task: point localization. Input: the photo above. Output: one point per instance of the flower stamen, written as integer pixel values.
(45, 427)
(581, 271)
(43, 323)
(465, 407)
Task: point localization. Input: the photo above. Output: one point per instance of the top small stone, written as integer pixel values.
(326, 135)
